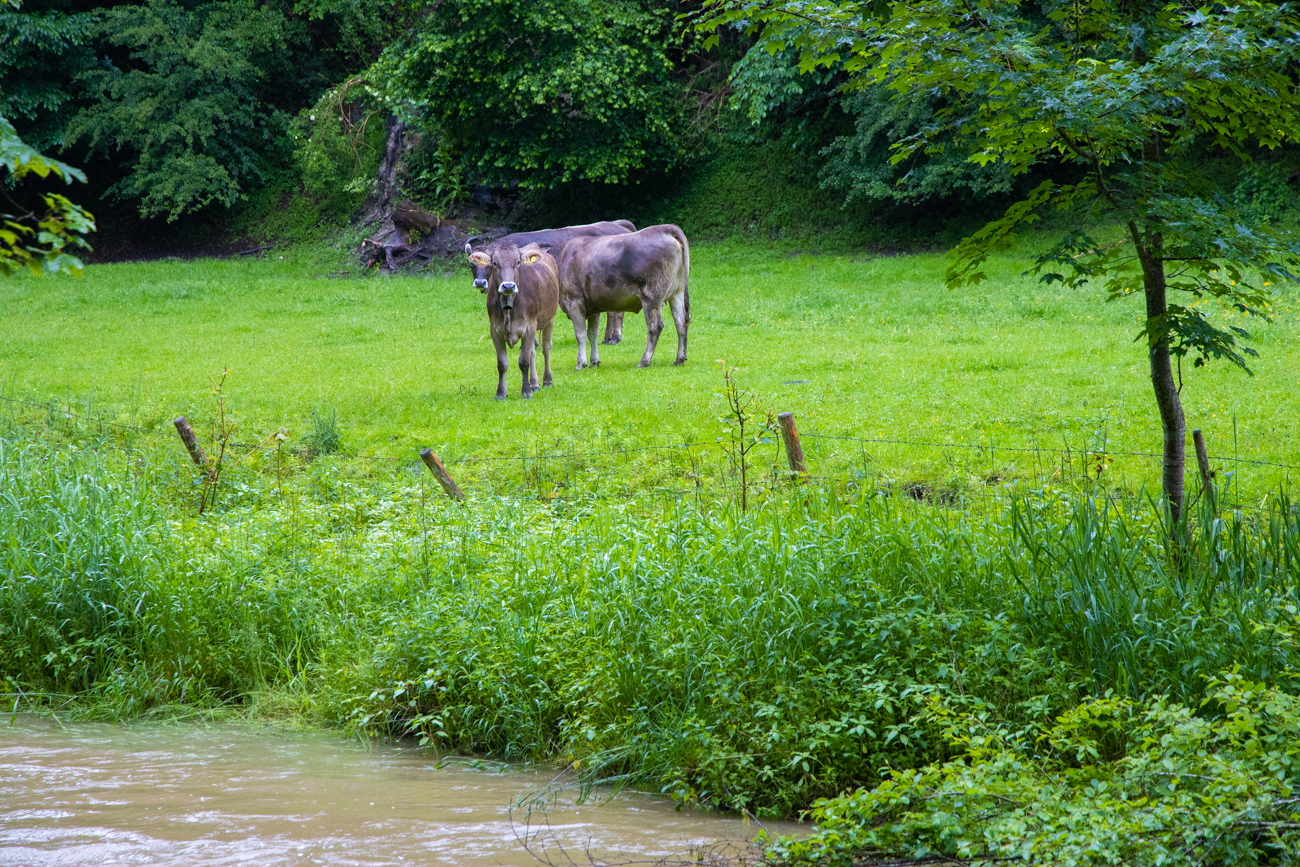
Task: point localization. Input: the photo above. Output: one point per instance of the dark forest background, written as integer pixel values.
(206, 126)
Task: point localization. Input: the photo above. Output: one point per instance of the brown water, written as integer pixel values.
(89, 794)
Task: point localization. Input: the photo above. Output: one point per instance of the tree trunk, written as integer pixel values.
(1150, 254)
(379, 205)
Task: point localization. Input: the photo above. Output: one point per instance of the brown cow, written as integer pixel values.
(553, 241)
(636, 271)
(522, 288)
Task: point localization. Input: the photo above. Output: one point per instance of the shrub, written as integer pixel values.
(1121, 783)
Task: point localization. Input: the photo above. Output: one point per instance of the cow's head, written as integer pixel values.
(505, 261)
(480, 263)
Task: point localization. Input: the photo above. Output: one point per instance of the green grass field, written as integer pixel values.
(886, 350)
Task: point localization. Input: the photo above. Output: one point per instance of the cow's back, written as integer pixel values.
(553, 240)
(633, 257)
(627, 272)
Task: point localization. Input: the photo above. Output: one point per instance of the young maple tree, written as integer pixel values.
(1129, 98)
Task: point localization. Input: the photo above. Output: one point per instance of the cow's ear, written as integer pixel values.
(480, 258)
(469, 251)
(532, 257)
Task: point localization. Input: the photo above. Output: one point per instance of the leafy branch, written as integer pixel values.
(40, 243)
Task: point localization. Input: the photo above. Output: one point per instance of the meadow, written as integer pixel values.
(854, 344)
(620, 615)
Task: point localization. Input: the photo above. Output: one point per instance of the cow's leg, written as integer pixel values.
(503, 364)
(654, 323)
(613, 328)
(681, 322)
(527, 363)
(532, 361)
(593, 329)
(546, 353)
(580, 332)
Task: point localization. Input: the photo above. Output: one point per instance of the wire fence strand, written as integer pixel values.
(990, 447)
(51, 408)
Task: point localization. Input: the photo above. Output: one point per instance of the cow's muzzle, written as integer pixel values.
(480, 285)
(507, 293)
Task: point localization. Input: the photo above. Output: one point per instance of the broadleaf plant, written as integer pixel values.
(42, 243)
(1113, 782)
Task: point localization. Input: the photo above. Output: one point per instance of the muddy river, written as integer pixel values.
(89, 794)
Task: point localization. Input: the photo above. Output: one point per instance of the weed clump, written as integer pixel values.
(324, 438)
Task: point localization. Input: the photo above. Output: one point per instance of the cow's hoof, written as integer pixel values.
(547, 384)
(526, 395)
(679, 362)
(643, 364)
(581, 367)
(499, 397)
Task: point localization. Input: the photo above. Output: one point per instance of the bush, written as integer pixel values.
(1118, 783)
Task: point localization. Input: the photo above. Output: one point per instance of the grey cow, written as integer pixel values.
(553, 241)
(522, 288)
(637, 271)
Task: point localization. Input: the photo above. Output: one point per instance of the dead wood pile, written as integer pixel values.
(404, 234)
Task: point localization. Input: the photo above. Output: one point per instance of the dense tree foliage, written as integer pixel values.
(183, 104)
(42, 51)
(1129, 97)
(186, 108)
(851, 124)
(544, 91)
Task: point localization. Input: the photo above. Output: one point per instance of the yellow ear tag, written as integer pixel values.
(533, 258)
(479, 258)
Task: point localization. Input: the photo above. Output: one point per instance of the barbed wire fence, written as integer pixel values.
(1086, 466)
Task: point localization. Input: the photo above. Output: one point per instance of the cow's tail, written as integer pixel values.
(684, 277)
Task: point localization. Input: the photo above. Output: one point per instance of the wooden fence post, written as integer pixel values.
(440, 473)
(793, 450)
(1203, 461)
(191, 442)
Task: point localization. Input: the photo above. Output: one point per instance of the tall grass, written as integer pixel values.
(758, 660)
(101, 600)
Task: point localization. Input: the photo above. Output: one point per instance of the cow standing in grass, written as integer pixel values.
(523, 291)
(636, 271)
(553, 242)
